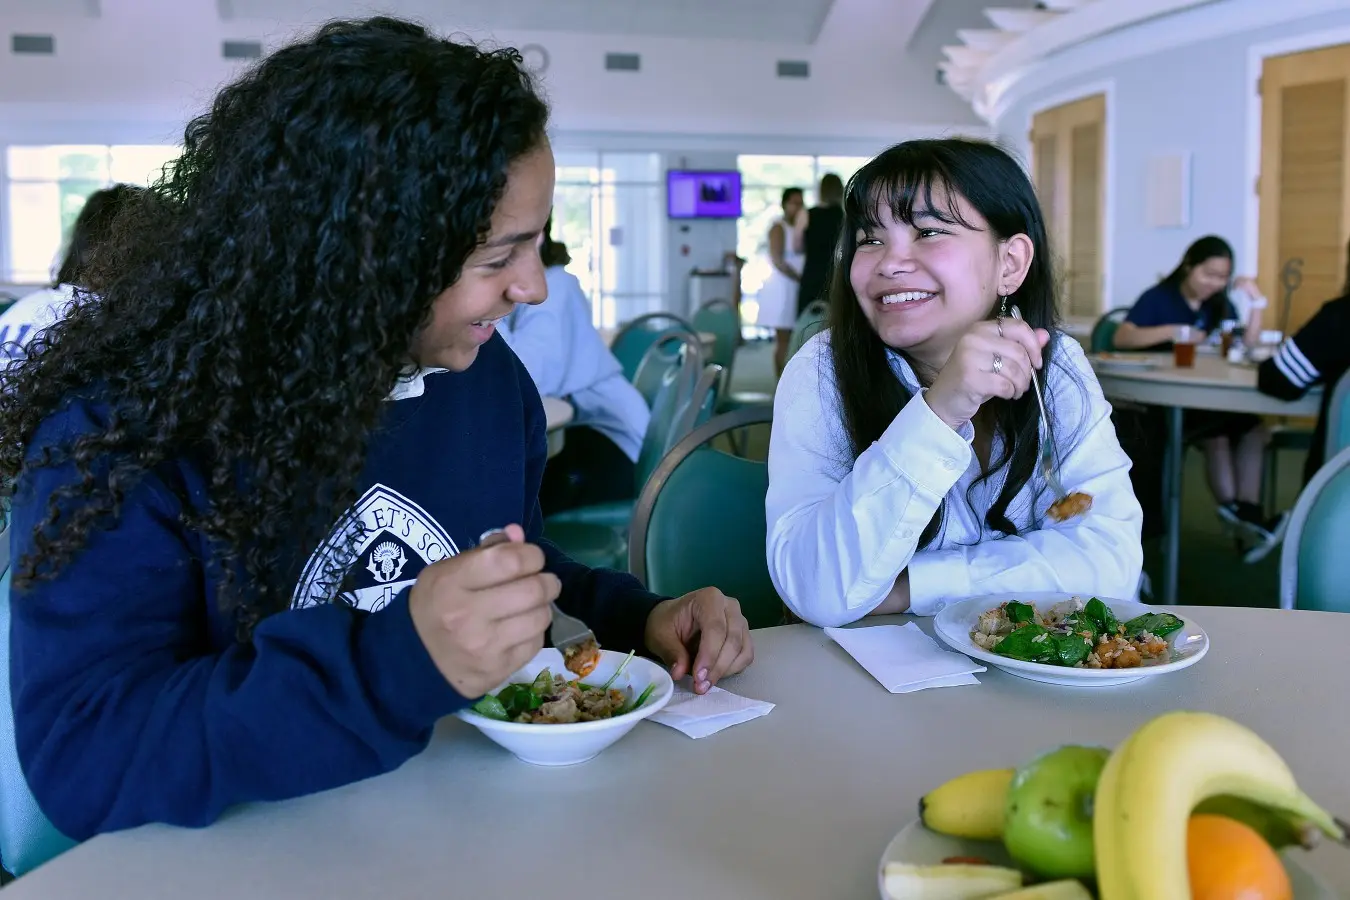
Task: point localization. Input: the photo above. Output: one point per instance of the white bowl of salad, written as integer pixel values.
(546, 716)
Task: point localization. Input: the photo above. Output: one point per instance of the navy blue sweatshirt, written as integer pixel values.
(133, 702)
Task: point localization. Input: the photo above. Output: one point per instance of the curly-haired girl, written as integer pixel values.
(244, 473)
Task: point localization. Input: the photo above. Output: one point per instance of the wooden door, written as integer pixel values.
(1068, 145)
(1305, 179)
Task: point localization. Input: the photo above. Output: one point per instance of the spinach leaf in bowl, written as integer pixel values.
(1104, 622)
(1160, 624)
(1030, 643)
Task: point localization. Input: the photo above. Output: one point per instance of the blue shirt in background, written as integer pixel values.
(29, 316)
(567, 358)
(1163, 304)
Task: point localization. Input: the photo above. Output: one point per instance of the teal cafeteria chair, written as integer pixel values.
(810, 323)
(700, 521)
(634, 338)
(675, 348)
(596, 535)
(720, 319)
(27, 839)
(1314, 564)
(1103, 337)
(1284, 437)
(1338, 418)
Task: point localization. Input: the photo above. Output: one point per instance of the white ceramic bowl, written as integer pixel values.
(567, 745)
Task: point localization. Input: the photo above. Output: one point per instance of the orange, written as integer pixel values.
(1229, 861)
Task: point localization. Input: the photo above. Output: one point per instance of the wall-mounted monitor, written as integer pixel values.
(703, 195)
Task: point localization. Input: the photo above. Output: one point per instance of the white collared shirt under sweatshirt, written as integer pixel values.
(841, 531)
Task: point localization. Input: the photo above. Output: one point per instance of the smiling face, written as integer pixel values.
(922, 284)
(1208, 278)
(502, 271)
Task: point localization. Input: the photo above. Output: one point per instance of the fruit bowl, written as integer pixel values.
(1191, 803)
(567, 745)
(917, 845)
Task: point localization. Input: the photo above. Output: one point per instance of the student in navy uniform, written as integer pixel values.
(566, 356)
(249, 477)
(1318, 354)
(27, 318)
(1195, 295)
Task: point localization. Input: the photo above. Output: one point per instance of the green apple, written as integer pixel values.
(1048, 817)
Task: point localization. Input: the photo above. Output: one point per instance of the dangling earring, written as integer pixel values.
(1003, 306)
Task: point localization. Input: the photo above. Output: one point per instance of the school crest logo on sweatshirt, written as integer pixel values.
(394, 539)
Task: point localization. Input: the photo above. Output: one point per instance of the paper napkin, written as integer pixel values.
(699, 715)
(904, 659)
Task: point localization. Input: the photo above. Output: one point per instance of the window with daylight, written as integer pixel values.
(765, 177)
(45, 189)
(609, 209)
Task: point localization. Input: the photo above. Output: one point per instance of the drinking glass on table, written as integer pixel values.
(1226, 336)
(1183, 348)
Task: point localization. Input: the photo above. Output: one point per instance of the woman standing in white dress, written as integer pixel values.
(778, 296)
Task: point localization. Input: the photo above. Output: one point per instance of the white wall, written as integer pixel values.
(145, 65)
(139, 72)
(1194, 98)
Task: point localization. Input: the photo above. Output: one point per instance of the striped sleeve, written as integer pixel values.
(1317, 354)
(1294, 365)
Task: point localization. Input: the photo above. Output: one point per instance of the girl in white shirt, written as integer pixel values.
(903, 464)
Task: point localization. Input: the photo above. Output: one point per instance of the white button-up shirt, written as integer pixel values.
(840, 531)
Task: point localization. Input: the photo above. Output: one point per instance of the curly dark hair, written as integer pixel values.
(258, 304)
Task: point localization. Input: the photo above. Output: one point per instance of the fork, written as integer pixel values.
(1047, 439)
(567, 631)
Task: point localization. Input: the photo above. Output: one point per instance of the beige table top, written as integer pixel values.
(794, 806)
(1213, 383)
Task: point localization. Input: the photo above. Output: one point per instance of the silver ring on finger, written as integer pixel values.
(999, 322)
(998, 364)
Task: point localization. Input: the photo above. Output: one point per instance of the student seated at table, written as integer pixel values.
(249, 478)
(1318, 354)
(903, 461)
(566, 356)
(1195, 295)
(29, 315)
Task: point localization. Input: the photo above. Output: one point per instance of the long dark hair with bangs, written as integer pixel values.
(256, 306)
(1206, 248)
(912, 177)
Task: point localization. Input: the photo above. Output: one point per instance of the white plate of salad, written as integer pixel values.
(1072, 639)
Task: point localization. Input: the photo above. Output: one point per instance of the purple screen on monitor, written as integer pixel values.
(703, 195)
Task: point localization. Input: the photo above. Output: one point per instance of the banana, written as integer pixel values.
(969, 806)
(1156, 778)
(1279, 828)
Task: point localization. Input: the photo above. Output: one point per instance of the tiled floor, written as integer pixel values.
(1212, 574)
